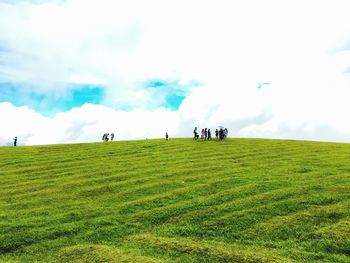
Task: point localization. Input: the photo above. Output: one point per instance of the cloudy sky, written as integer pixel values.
(73, 70)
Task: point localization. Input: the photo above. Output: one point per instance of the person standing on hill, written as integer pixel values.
(209, 134)
(225, 133)
(166, 136)
(15, 141)
(195, 134)
(202, 134)
(112, 136)
(221, 134)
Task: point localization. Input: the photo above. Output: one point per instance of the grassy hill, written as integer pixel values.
(240, 200)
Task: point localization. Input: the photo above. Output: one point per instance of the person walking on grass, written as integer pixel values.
(15, 141)
(166, 136)
(112, 136)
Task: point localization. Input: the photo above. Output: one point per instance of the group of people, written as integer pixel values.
(105, 137)
(220, 134)
(205, 135)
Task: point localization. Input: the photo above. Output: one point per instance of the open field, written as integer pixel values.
(240, 200)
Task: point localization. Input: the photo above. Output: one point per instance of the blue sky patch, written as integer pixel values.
(60, 97)
(171, 93)
(20, 94)
(157, 83)
(174, 101)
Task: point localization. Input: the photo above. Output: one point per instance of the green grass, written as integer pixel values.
(240, 200)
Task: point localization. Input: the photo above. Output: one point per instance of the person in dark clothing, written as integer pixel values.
(15, 141)
(166, 136)
(195, 134)
(209, 134)
(217, 134)
(221, 134)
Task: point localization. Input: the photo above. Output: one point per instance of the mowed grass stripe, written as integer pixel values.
(203, 204)
(209, 251)
(216, 209)
(111, 174)
(239, 192)
(114, 190)
(112, 179)
(39, 169)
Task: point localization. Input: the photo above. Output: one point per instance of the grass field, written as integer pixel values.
(240, 200)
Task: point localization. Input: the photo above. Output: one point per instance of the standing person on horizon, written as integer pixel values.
(112, 136)
(221, 134)
(195, 134)
(202, 134)
(166, 136)
(225, 133)
(15, 141)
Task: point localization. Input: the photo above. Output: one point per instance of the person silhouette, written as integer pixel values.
(15, 141)
(195, 133)
(166, 136)
(221, 134)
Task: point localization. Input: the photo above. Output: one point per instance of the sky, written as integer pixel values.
(73, 70)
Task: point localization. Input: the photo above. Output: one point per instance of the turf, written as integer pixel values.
(239, 200)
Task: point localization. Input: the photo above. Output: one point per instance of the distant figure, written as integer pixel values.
(166, 136)
(15, 141)
(205, 133)
(209, 134)
(104, 137)
(202, 134)
(225, 133)
(112, 137)
(217, 134)
(221, 134)
(195, 134)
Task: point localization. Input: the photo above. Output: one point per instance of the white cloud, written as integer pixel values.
(85, 124)
(300, 47)
(120, 43)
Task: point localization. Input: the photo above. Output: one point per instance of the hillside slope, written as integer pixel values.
(240, 200)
